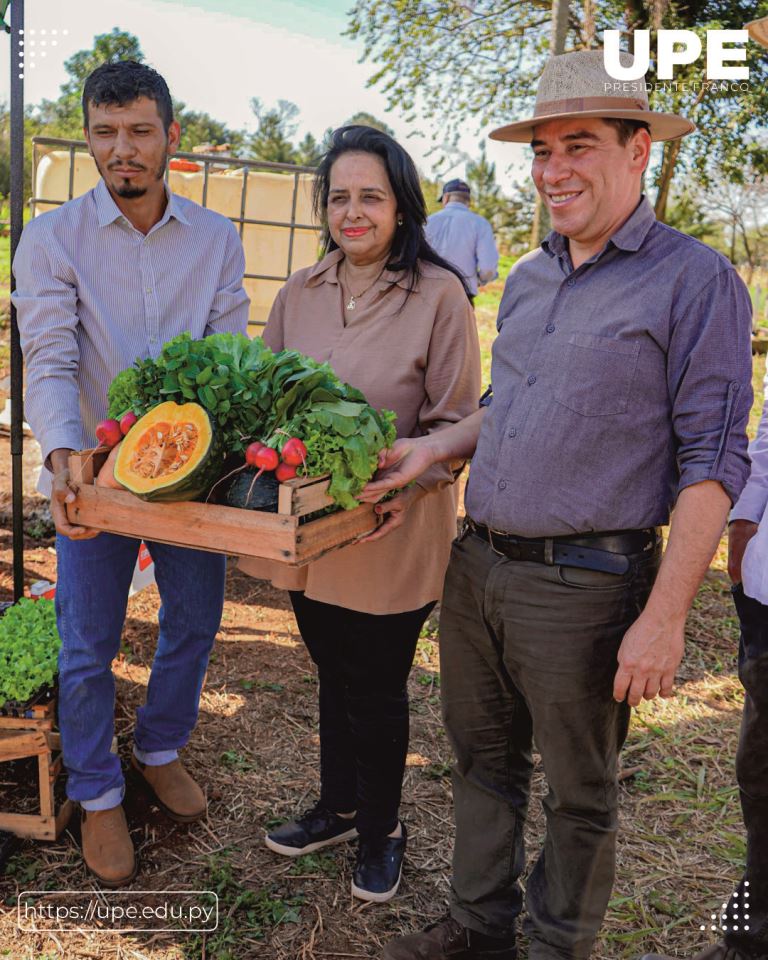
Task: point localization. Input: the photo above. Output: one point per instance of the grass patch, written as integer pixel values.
(246, 916)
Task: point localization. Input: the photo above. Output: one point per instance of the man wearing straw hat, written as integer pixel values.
(744, 921)
(621, 388)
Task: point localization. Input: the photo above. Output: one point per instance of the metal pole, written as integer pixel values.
(17, 222)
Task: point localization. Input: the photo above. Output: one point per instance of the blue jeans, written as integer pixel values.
(93, 580)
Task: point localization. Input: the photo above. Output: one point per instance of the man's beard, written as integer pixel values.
(129, 192)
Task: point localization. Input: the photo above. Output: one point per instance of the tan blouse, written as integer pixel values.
(418, 356)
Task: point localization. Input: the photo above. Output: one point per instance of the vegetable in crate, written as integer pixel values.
(253, 492)
(170, 454)
(252, 393)
(29, 648)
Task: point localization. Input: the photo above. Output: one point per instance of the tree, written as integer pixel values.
(510, 216)
(276, 128)
(368, 120)
(64, 117)
(198, 128)
(743, 209)
(5, 150)
(484, 57)
(481, 177)
(309, 152)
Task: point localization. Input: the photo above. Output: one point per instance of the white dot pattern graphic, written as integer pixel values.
(43, 32)
(735, 921)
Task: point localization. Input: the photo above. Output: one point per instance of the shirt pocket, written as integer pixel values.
(597, 375)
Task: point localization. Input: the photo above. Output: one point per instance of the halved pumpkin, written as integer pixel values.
(169, 454)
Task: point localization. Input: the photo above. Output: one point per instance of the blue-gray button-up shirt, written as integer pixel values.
(93, 294)
(615, 385)
(465, 239)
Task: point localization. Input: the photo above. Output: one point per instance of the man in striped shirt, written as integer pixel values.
(101, 281)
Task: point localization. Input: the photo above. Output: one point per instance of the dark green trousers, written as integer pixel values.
(528, 653)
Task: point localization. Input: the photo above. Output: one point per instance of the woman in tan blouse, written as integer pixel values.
(394, 320)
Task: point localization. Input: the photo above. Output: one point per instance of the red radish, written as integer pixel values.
(127, 421)
(108, 433)
(286, 471)
(294, 452)
(264, 459)
(251, 452)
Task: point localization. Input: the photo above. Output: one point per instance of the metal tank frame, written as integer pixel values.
(208, 162)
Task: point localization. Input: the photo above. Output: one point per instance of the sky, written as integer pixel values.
(218, 54)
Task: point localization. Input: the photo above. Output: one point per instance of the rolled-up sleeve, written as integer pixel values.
(487, 254)
(452, 379)
(229, 309)
(46, 302)
(709, 374)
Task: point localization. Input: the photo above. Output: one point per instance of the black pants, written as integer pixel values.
(363, 661)
(528, 652)
(749, 903)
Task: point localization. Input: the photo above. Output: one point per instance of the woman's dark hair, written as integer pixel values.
(123, 82)
(409, 244)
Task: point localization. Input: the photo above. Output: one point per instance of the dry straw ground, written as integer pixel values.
(256, 749)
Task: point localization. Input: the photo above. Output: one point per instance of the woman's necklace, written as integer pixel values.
(354, 297)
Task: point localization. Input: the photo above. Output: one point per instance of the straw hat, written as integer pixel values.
(578, 85)
(758, 30)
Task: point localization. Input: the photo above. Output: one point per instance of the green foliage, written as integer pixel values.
(5, 151)
(368, 120)
(510, 216)
(276, 129)
(253, 393)
(313, 864)
(29, 647)
(236, 761)
(308, 152)
(244, 912)
(64, 117)
(485, 58)
(481, 177)
(198, 128)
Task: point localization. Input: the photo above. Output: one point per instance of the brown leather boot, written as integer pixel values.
(173, 789)
(718, 951)
(446, 940)
(107, 846)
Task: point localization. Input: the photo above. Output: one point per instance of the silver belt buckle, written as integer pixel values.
(549, 551)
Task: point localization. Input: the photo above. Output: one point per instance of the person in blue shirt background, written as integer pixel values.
(463, 237)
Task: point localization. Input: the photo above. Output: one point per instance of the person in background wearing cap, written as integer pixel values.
(744, 922)
(621, 388)
(463, 237)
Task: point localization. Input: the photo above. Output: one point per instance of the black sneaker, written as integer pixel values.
(313, 830)
(379, 868)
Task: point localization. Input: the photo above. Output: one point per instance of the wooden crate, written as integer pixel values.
(32, 735)
(231, 530)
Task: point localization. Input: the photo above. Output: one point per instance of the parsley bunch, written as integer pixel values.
(29, 648)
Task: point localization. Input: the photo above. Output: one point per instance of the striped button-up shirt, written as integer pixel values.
(93, 294)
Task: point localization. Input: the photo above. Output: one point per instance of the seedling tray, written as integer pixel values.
(283, 536)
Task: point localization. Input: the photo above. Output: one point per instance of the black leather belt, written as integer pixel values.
(607, 552)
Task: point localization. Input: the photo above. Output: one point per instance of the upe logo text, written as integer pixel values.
(675, 48)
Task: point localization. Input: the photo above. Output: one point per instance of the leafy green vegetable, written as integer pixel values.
(255, 394)
(122, 394)
(29, 647)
